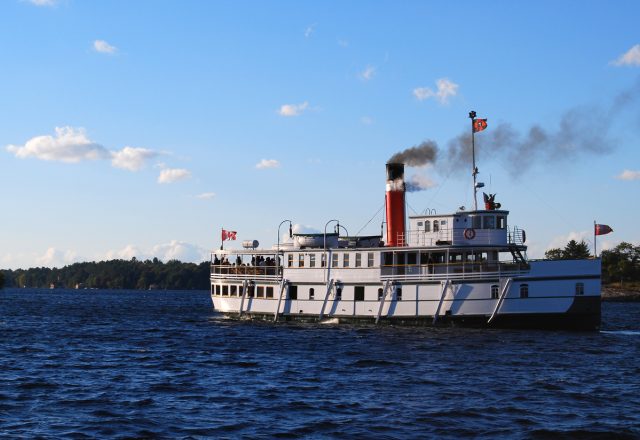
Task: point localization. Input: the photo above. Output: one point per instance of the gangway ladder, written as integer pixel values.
(284, 283)
(385, 291)
(445, 287)
(503, 294)
(326, 298)
(245, 285)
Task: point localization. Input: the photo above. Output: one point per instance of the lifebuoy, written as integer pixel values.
(469, 233)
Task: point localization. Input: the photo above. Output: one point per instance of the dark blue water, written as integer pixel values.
(118, 364)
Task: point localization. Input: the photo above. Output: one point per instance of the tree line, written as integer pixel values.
(114, 274)
(620, 264)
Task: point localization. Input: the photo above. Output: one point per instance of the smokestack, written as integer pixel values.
(395, 204)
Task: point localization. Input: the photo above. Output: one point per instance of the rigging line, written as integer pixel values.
(411, 207)
(374, 216)
(441, 186)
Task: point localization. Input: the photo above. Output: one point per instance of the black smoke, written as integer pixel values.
(418, 155)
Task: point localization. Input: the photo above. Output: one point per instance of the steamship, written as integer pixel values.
(467, 268)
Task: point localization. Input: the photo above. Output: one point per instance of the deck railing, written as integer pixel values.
(452, 271)
(243, 272)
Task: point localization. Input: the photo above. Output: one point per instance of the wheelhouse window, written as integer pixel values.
(420, 225)
(290, 260)
(427, 226)
(358, 293)
(524, 291)
(579, 288)
(293, 292)
(300, 260)
(494, 292)
(477, 222)
(312, 260)
(358, 259)
(312, 293)
(334, 260)
(502, 222)
(345, 260)
(436, 226)
(370, 259)
(489, 222)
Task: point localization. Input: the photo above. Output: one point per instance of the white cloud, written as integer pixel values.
(293, 109)
(343, 43)
(102, 46)
(69, 145)
(445, 90)
(630, 58)
(629, 175)
(206, 196)
(309, 30)
(368, 73)
(174, 250)
(171, 175)
(562, 240)
(127, 253)
(132, 158)
(366, 120)
(56, 258)
(267, 163)
(43, 2)
(418, 182)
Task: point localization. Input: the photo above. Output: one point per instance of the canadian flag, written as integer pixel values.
(228, 235)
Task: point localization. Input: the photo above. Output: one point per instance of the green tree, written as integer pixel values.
(554, 254)
(572, 251)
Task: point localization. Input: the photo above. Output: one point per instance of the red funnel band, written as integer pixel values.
(395, 218)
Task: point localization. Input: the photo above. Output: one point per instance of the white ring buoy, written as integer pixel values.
(469, 233)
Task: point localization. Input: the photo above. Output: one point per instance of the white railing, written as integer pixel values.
(242, 272)
(452, 271)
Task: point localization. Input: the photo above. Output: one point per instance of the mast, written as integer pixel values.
(474, 170)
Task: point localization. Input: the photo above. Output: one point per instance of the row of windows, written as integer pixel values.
(310, 259)
(524, 290)
(477, 222)
(257, 291)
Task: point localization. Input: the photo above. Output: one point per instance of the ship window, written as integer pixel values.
(380, 291)
(443, 222)
(358, 293)
(388, 259)
(225, 290)
(412, 258)
(345, 260)
(312, 293)
(399, 294)
(260, 293)
(312, 260)
(241, 291)
(370, 259)
(494, 292)
(290, 260)
(269, 291)
(358, 260)
(489, 222)
(579, 288)
(427, 226)
(301, 260)
(293, 292)
(524, 291)
(251, 290)
(400, 259)
(436, 226)
(334, 260)
(218, 290)
(339, 293)
(323, 260)
(477, 222)
(502, 222)
(234, 290)
(424, 257)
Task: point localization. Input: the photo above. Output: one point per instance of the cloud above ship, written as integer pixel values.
(43, 2)
(171, 175)
(102, 46)
(368, 73)
(418, 182)
(445, 90)
(267, 163)
(628, 175)
(289, 110)
(629, 58)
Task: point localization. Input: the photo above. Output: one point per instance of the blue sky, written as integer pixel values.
(143, 128)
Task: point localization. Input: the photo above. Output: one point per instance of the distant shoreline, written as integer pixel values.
(618, 294)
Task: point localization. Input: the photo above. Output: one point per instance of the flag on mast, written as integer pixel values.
(479, 125)
(602, 229)
(228, 235)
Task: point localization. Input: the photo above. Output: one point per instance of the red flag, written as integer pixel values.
(228, 235)
(479, 125)
(603, 229)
